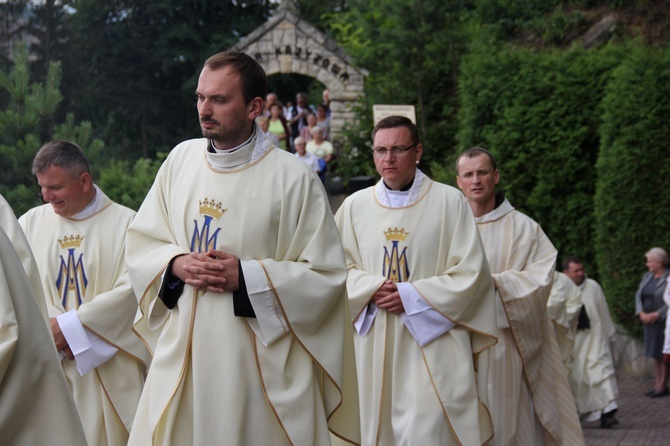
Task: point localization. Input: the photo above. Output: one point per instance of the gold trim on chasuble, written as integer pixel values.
(71, 272)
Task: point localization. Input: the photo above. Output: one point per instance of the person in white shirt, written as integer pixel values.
(308, 158)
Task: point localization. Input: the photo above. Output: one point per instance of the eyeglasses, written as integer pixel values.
(395, 151)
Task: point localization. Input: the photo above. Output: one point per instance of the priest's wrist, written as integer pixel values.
(171, 288)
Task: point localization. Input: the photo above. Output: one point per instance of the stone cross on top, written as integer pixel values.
(288, 5)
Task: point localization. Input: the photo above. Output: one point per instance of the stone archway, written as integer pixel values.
(288, 44)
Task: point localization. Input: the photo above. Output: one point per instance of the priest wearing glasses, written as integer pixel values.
(421, 300)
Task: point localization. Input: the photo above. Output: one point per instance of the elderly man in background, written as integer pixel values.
(528, 392)
(306, 157)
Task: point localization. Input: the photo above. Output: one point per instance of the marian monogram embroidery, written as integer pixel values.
(395, 261)
(71, 272)
(202, 240)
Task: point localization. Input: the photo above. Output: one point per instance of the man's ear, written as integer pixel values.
(85, 180)
(255, 108)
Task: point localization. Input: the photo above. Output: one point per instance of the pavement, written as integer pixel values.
(643, 421)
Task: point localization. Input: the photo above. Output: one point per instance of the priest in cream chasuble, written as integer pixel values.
(36, 406)
(421, 369)
(286, 375)
(593, 378)
(563, 308)
(79, 240)
(10, 225)
(239, 268)
(528, 391)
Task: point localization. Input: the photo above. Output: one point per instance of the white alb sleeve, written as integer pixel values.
(365, 320)
(88, 349)
(423, 321)
(270, 323)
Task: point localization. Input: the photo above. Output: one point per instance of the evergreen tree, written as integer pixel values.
(132, 66)
(411, 49)
(25, 119)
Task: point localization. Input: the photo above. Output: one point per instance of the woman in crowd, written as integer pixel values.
(319, 146)
(323, 120)
(306, 131)
(651, 309)
(264, 124)
(278, 125)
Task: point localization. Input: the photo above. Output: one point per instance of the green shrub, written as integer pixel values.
(128, 184)
(539, 114)
(633, 168)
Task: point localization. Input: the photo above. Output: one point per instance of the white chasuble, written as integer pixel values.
(212, 380)
(563, 308)
(593, 381)
(528, 392)
(411, 394)
(13, 230)
(36, 407)
(81, 263)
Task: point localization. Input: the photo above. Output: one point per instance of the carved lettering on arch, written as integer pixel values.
(339, 70)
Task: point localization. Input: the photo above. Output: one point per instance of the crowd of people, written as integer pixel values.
(291, 126)
(417, 314)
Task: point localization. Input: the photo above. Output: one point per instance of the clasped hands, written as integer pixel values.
(387, 298)
(213, 270)
(648, 318)
(59, 339)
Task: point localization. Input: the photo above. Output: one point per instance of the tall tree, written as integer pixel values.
(133, 64)
(14, 17)
(411, 49)
(25, 126)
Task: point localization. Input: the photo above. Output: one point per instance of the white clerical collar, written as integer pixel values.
(93, 207)
(583, 284)
(234, 149)
(396, 198)
(496, 214)
(228, 159)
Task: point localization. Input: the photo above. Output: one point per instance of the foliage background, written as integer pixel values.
(579, 133)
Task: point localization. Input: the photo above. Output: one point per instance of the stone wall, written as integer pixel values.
(628, 356)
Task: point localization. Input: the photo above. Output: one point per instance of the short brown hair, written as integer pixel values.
(393, 121)
(254, 79)
(473, 152)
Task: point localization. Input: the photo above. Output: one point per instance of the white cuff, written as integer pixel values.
(423, 321)
(88, 349)
(365, 319)
(270, 323)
